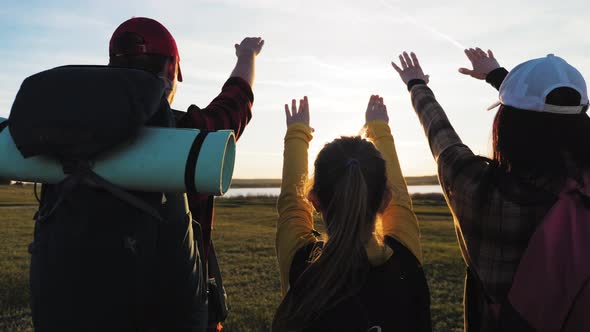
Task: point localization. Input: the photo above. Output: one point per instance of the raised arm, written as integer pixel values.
(441, 135)
(232, 108)
(485, 67)
(398, 218)
(459, 170)
(246, 52)
(295, 223)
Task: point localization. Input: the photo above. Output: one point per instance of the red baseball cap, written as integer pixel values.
(157, 39)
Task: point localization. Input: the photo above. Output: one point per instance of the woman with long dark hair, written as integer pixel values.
(365, 274)
(541, 139)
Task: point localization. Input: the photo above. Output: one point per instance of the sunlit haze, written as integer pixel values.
(335, 52)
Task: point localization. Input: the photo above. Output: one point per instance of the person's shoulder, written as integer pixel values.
(402, 256)
(179, 114)
(522, 190)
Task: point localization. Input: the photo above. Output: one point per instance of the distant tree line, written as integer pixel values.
(4, 181)
(431, 180)
(429, 198)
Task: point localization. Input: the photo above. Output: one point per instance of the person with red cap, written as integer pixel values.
(146, 44)
(99, 261)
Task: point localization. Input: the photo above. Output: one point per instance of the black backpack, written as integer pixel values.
(105, 258)
(394, 296)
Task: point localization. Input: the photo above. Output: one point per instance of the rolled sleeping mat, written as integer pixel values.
(158, 160)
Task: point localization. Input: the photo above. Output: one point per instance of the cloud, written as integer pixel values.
(423, 25)
(336, 51)
(308, 60)
(290, 84)
(190, 45)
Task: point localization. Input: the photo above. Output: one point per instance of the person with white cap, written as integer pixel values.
(541, 134)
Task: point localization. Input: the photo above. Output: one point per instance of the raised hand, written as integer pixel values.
(410, 68)
(376, 110)
(295, 115)
(249, 46)
(482, 62)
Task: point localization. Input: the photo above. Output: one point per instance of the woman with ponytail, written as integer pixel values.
(365, 274)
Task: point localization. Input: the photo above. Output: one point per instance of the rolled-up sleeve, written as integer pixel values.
(231, 109)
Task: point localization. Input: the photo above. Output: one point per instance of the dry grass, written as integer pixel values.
(244, 235)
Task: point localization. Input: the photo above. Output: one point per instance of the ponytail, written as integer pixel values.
(347, 193)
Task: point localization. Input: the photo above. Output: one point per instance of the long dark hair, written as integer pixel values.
(542, 144)
(350, 182)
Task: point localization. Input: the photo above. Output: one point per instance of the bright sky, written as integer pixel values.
(337, 52)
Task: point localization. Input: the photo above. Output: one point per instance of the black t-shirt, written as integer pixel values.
(395, 296)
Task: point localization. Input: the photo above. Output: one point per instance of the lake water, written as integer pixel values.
(275, 191)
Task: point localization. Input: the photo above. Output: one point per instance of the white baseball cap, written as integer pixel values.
(528, 84)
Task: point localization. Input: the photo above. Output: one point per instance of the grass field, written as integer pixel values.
(244, 238)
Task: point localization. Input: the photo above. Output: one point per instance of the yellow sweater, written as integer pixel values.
(295, 223)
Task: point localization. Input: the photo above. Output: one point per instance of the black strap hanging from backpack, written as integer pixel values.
(218, 309)
(83, 174)
(3, 125)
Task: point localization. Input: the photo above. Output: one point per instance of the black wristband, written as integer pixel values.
(415, 81)
(496, 77)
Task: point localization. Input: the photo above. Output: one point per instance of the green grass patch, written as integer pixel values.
(16, 233)
(244, 236)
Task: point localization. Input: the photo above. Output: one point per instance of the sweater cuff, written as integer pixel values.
(496, 77)
(299, 130)
(415, 81)
(377, 129)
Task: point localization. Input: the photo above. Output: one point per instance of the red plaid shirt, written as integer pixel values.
(231, 109)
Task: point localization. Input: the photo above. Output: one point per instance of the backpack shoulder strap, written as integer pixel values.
(218, 309)
(87, 176)
(94, 179)
(204, 277)
(213, 265)
(303, 259)
(66, 186)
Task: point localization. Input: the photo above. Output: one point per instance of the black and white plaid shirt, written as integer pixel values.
(495, 213)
